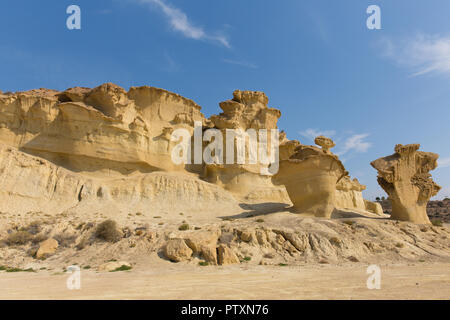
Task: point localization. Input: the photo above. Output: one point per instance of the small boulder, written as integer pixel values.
(226, 255)
(176, 250)
(46, 248)
(196, 240)
(209, 254)
(204, 243)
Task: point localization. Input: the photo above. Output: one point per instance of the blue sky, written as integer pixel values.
(315, 59)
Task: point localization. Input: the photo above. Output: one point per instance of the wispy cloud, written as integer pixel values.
(180, 22)
(424, 54)
(345, 143)
(241, 63)
(313, 133)
(355, 143)
(444, 162)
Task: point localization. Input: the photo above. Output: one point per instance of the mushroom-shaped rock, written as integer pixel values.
(310, 176)
(405, 177)
(325, 143)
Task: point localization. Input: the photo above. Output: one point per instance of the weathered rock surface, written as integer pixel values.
(100, 131)
(349, 196)
(406, 179)
(247, 112)
(176, 250)
(108, 149)
(226, 255)
(204, 243)
(30, 184)
(310, 176)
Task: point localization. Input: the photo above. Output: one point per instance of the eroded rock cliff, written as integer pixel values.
(108, 149)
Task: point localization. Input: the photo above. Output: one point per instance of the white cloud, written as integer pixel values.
(444, 162)
(241, 63)
(180, 22)
(313, 133)
(355, 143)
(424, 54)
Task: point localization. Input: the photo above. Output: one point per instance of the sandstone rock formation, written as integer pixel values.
(177, 250)
(203, 243)
(310, 176)
(108, 149)
(247, 112)
(226, 255)
(405, 177)
(349, 196)
(324, 184)
(102, 131)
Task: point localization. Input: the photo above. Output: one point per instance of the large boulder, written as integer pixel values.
(226, 255)
(176, 250)
(46, 248)
(204, 244)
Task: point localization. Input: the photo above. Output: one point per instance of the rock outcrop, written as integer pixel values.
(32, 184)
(248, 114)
(405, 177)
(310, 176)
(110, 149)
(226, 255)
(103, 131)
(177, 250)
(349, 196)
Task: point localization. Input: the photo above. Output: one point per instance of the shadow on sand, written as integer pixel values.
(259, 209)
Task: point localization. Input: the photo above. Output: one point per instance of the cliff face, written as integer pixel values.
(108, 147)
(102, 131)
(248, 111)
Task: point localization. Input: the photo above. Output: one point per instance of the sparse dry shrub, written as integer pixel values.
(19, 238)
(82, 244)
(437, 222)
(65, 240)
(34, 227)
(183, 227)
(108, 231)
(32, 251)
(39, 238)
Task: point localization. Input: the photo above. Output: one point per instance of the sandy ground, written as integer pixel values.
(348, 281)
